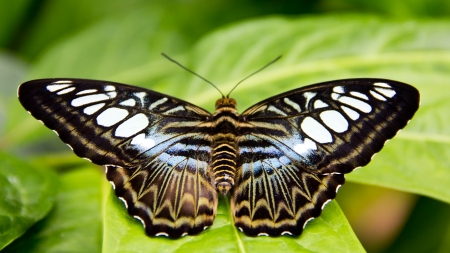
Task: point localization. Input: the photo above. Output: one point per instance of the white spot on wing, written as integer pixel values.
(162, 234)
(112, 94)
(383, 85)
(124, 202)
(387, 92)
(308, 220)
(325, 203)
(351, 113)
(55, 87)
(64, 81)
(141, 96)
(142, 143)
(335, 96)
(377, 96)
(339, 89)
(129, 102)
(319, 104)
(155, 104)
(292, 104)
(110, 88)
(86, 92)
(65, 91)
(356, 103)
(132, 126)
(263, 234)
(184, 234)
(334, 120)
(140, 219)
(87, 159)
(309, 96)
(316, 130)
(338, 187)
(359, 94)
(113, 185)
(111, 116)
(88, 99)
(306, 147)
(286, 233)
(176, 109)
(55, 132)
(276, 110)
(93, 108)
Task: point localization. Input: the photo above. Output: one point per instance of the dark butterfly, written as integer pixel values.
(282, 159)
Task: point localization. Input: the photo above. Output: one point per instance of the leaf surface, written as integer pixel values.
(27, 194)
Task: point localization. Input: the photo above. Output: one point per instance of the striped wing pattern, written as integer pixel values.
(156, 159)
(295, 147)
(282, 159)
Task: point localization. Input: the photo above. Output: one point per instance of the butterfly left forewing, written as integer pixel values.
(295, 147)
(109, 123)
(156, 147)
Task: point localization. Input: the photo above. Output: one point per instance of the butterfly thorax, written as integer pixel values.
(224, 147)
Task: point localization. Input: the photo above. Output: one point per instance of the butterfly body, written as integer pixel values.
(224, 147)
(281, 160)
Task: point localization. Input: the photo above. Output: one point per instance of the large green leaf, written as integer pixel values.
(27, 194)
(11, 17)
(74, 225)
(331, 230)
(12, 71)
(314, 49)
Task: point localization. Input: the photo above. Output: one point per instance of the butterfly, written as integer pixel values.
(168, 160)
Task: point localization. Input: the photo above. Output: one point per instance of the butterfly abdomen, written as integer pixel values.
(224, 147)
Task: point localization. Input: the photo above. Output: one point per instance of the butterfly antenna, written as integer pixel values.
(267, 65)
(179, 64)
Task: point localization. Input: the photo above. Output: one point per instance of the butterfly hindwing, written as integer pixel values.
(157, 156)
(274, 195)
(295, 147)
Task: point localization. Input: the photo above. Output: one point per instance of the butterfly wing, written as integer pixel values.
(156, 155)
(295, 147)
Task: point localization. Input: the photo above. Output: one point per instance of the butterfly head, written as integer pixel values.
(225, 102)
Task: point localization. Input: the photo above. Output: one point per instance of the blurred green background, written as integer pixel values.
(56, 202)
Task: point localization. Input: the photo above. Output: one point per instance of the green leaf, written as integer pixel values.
(331, 230)
(427, 230)
(11, 17)
(12, 71)
(314, 49)
(75, 223)
(27, 195)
